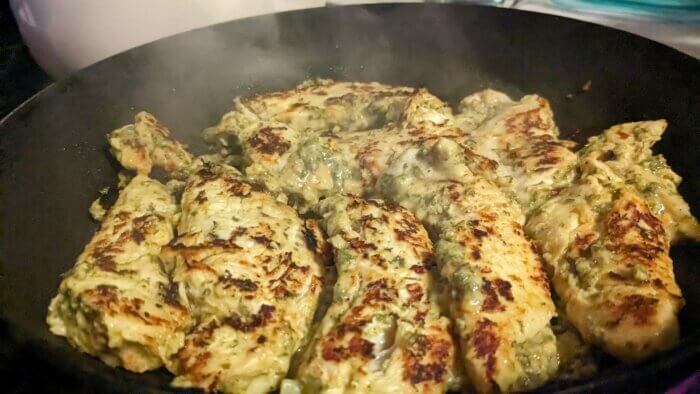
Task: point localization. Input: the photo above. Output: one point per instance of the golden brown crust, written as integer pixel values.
(617, 283)
(499, 294)
(117, 302)
(382, 331)
(252, 269)
(522, 137)
(613, 270)
(608, 249)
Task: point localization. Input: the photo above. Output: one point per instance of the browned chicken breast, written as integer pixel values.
(383, 332)
(523, 139)
(317, 106)
(223, 288)
(587, 211)
(523, 315)
(607, 236)
(308, 164)
(498, 292)
(118, 302)
(252, 271)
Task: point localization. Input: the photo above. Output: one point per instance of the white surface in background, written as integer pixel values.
(67, 35)
(683, 36)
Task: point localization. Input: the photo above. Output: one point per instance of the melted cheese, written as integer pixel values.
(383, 332)
(117, 302)
(252, 271)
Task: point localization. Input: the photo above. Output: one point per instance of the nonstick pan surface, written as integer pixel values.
(54, 159)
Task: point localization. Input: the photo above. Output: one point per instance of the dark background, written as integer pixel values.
(20, 77)
(21, 369)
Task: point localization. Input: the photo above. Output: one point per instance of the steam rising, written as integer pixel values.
(189, 80)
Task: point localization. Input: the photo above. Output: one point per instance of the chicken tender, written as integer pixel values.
(118, 302)
(383, 333)
(252, 271)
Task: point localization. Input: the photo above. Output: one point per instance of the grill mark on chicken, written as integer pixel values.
(258, 319)
(636, 307)
(383, 284)
(421, 346)
(636, 234)
(267, 141)
(486, 342)
(170, 292)
(246, 285)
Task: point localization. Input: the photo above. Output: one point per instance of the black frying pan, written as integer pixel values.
(53, 155)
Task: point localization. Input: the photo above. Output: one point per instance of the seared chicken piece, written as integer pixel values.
(317, 106)
(623, 153)
(308, 166)
(499, 293)
(147, 143)
(117, 302)
(606, 239)
(383, 333)
(617, 172)
(424, 118)
(523, 138)
(515, 347)
(252, 271)
(530, 163)
(228, 302)
(291, 142)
